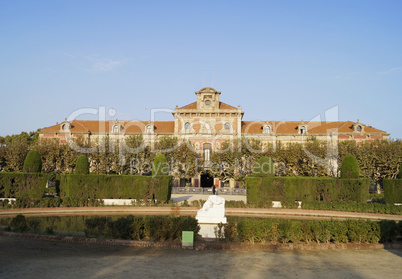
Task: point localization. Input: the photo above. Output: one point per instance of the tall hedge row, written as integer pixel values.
(393, 190)
(21, 185)
(115, 186)
(261, 191)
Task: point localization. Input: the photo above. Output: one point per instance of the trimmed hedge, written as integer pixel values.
(82, 165)
(373, 207)
(261, 191)
(77, 186)
(104, 186)
(33, 162)
(22, 185)
(393, 190)
(350, 167)
(157, 228)
(275, 231)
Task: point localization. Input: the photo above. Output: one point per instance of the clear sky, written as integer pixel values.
(279, 60)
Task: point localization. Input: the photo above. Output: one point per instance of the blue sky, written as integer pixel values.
(279, 60)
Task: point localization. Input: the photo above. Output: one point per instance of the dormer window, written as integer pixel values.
(303, 130)
(116, 129)
(267, 129)
(148, 129)
(65, 127)
(359, 128)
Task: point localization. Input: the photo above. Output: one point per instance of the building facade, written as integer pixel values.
(207, 123)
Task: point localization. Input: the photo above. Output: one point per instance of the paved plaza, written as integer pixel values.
(30, 258)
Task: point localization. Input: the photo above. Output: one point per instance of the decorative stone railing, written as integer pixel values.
(201, 190)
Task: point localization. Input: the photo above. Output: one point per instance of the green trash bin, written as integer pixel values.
(187, 239)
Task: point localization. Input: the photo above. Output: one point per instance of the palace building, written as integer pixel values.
(208, 122)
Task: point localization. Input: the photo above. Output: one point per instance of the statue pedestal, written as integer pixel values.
(210, 215)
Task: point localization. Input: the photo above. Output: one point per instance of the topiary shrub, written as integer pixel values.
(264, 167)
(82, 165)
(350, 167)
(33, 162)
(160, 166)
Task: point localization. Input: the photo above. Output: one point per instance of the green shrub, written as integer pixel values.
(393, 191)
(389, 230)
(82, 165)
(158, 228)
(319, 231)
(19, 223)
(264, 167)
(116, 186)
(50, 202)
(261, 191)
(352, 206)
(33, 162)
(160, 166)
(350, 167)
(97, 227)
(122, 227)
(230, 231)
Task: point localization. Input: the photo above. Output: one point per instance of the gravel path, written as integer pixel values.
(32, 258)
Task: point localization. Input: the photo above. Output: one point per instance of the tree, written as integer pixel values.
(264, 167)
(350, 167)
(160, 165)
(399, 176)
(33, 162)
(82, 166)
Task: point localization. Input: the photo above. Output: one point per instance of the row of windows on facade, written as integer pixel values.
(187, 126)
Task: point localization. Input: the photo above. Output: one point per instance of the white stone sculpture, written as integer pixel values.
(210, 215)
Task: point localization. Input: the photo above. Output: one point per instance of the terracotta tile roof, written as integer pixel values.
(190, 106)
(94, 126)
(225, 106)
(248, 127)
(290, 127)
(221, 106)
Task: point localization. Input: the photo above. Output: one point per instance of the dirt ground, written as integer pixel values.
(31, 258)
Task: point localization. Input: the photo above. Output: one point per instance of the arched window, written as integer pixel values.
(303, 130)
(149, 129)
(65, 127)
(115, 128)
(359, 128)
(207, 151)
(267, 129)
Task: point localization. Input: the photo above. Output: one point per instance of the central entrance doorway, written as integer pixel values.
(207, 179)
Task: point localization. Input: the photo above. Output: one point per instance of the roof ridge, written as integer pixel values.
(82, 125)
